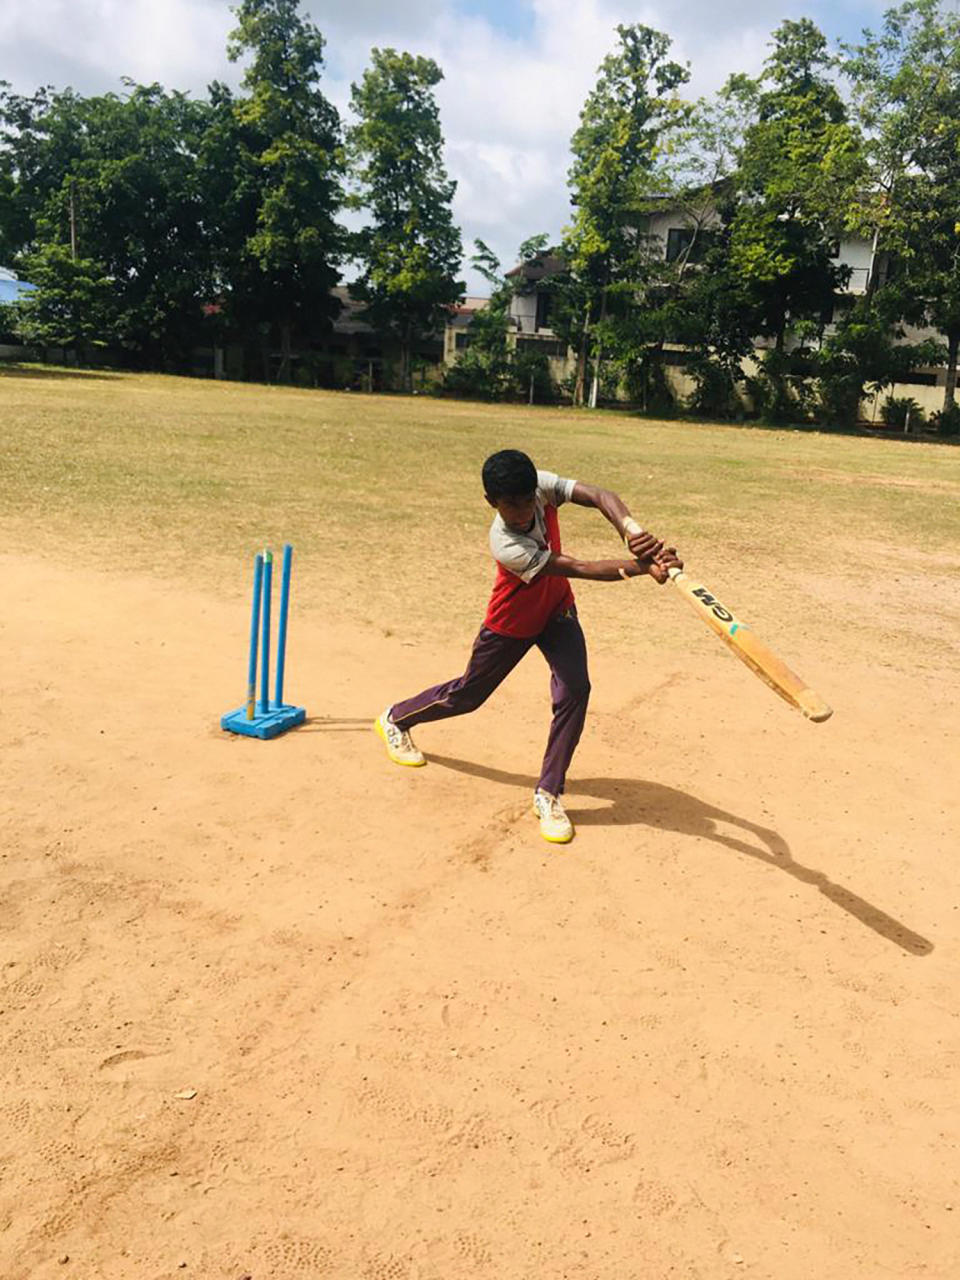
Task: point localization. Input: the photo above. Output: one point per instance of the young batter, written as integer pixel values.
(532, 604)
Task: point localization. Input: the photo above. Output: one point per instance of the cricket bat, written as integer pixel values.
(751, 650)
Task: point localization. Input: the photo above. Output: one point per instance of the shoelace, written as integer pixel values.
(399, 737)
(553, 805)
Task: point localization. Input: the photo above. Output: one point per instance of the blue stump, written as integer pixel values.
(265, 724)
(263, 718)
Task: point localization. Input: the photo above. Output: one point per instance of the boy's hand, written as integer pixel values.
(644, 546)
(664, 561)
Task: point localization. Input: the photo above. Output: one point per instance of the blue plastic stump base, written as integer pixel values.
(265, 724)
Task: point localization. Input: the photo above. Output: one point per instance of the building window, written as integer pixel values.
(689, 243)
(679, 359)
(679, 240)
(544, 307)
(461, 341)
(552, 347)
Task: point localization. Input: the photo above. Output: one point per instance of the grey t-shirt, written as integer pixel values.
(525, 554)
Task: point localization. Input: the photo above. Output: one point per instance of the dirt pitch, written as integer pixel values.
(283, 1010)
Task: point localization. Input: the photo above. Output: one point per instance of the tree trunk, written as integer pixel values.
(871, 288)
(595, 388)
(406, 373)
(950, 390)
(581, 382)
(780, 317)
(595, 384)
(73, 222)
(283, 373)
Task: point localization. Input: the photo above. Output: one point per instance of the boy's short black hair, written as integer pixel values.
(509, 474)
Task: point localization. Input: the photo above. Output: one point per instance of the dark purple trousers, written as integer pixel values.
(494, 656)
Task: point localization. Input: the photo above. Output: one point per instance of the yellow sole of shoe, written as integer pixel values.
(407, 764)
(554, 839)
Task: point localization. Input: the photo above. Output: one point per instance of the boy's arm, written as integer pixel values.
(655, 561)
(648, 550)
(608, 504)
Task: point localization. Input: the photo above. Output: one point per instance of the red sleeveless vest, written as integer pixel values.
(523, 609)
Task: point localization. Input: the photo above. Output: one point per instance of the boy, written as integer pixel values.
(532, 604)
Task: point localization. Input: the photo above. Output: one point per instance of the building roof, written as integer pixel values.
(469, 305)
(350, 319)
(547, 264)
(11, 288)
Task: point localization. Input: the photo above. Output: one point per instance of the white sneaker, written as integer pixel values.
(398, 742)
(555, 826)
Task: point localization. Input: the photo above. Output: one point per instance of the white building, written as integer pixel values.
(671, 232)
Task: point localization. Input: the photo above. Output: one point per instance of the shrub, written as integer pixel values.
(475, 376)
(947, 421)
(778, 394)
(715, 394)
(838, 398)
(895, 409)
(658, 397)
(9, 322)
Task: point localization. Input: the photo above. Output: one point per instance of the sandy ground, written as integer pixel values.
(716, 1036)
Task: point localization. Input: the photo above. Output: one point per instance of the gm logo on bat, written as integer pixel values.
(714, 605)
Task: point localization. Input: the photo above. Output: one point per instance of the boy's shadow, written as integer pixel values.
(635, 802)
(336, 724)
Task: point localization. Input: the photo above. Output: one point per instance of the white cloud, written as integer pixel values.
(508, 106)
(92, 44)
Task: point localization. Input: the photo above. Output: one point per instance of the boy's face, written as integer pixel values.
(516, 512)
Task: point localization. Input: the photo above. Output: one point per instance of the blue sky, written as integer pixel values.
(516, 71)
(515, 18)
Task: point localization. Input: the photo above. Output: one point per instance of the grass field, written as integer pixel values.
(181, 476)
(284, 1011)
(205, 460)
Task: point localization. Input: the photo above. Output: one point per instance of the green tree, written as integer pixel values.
(798, 167)
(866, 350)
(693, 298)
(906, 86)
(711, 315)
(410, 252)
(694, 174)
(74, 305)
(132, 205)
(627, 121)
(9, 322)
(491, 367)
(41, 138)
(113, 181)
(482, 370)
(13, 232)
(185, 203)
(280, 244)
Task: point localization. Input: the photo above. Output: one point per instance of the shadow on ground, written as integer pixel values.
(333, 724)
(634, 802)
(40, 371)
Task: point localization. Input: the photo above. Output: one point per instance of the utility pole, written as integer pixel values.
(73, 223)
